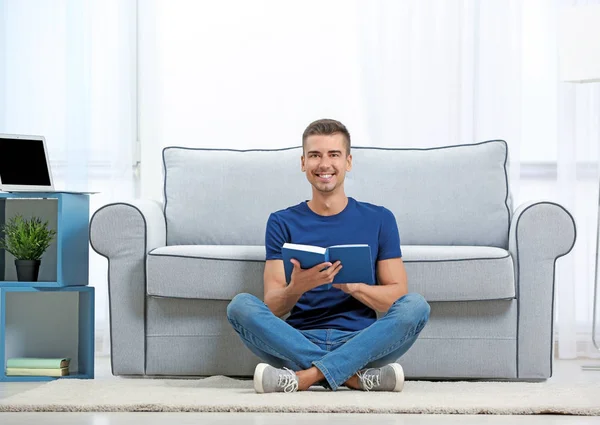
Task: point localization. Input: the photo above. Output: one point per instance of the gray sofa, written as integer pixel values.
(487, 269)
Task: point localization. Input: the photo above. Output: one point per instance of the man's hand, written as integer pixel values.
(303, 280)
(348, 288)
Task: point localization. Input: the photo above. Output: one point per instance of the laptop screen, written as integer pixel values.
(23, 162)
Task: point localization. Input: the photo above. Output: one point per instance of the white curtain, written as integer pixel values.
(244, 73)
(254, 74)
(409, 73)
(578, 135)
(67, 71)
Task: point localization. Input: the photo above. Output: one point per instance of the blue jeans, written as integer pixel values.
(337, 354)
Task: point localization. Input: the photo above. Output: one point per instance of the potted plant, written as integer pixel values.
(27, 240)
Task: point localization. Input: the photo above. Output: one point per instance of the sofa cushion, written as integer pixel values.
(219, 272)
(460, 273)
(224, 197)
(456, 195)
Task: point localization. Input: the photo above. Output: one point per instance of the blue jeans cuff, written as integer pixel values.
(332, 384)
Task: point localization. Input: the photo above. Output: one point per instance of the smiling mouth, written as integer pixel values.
(325, 177)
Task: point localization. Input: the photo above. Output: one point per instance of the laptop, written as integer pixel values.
(24, 165)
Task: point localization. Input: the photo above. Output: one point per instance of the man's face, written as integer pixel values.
(325, 162)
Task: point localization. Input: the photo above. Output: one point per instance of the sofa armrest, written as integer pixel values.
(540, 233)
(124, 233)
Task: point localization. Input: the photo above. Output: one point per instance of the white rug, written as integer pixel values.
(221, 394)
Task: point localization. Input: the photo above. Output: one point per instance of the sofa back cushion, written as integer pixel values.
(455, 195)
(224, 197)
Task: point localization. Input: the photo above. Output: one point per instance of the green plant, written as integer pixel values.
(26, 239)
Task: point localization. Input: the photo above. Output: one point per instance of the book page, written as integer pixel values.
(348, 246)
(307, 248)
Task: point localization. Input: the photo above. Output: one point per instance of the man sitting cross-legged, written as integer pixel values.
(332, 336)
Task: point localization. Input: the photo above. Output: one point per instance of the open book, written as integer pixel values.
(356, 261)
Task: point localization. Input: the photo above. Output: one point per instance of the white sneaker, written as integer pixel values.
(268, 379)
(387, 378)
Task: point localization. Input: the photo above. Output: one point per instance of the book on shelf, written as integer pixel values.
(38, 362)
(357, 266)
(23, 371)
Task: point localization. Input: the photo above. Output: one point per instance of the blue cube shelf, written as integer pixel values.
(48, 322)
(54, 316)
(65, 263)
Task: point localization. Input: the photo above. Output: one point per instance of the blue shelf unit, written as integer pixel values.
(54, 316)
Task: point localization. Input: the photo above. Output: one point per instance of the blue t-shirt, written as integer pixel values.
(326, 307)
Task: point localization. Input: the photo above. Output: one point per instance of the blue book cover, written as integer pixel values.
(356, 261)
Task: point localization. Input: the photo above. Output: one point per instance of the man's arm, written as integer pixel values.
(393, 284)
(280, 297)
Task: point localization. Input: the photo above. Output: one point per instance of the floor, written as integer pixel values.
(564, 371)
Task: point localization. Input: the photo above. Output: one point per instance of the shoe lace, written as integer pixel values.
(369, 380)
(288, 381)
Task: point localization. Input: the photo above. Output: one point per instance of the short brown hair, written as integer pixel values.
(326, 127)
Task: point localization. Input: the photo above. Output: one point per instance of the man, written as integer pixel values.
(332, 336)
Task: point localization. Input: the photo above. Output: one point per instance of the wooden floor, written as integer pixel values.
(564, 371)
